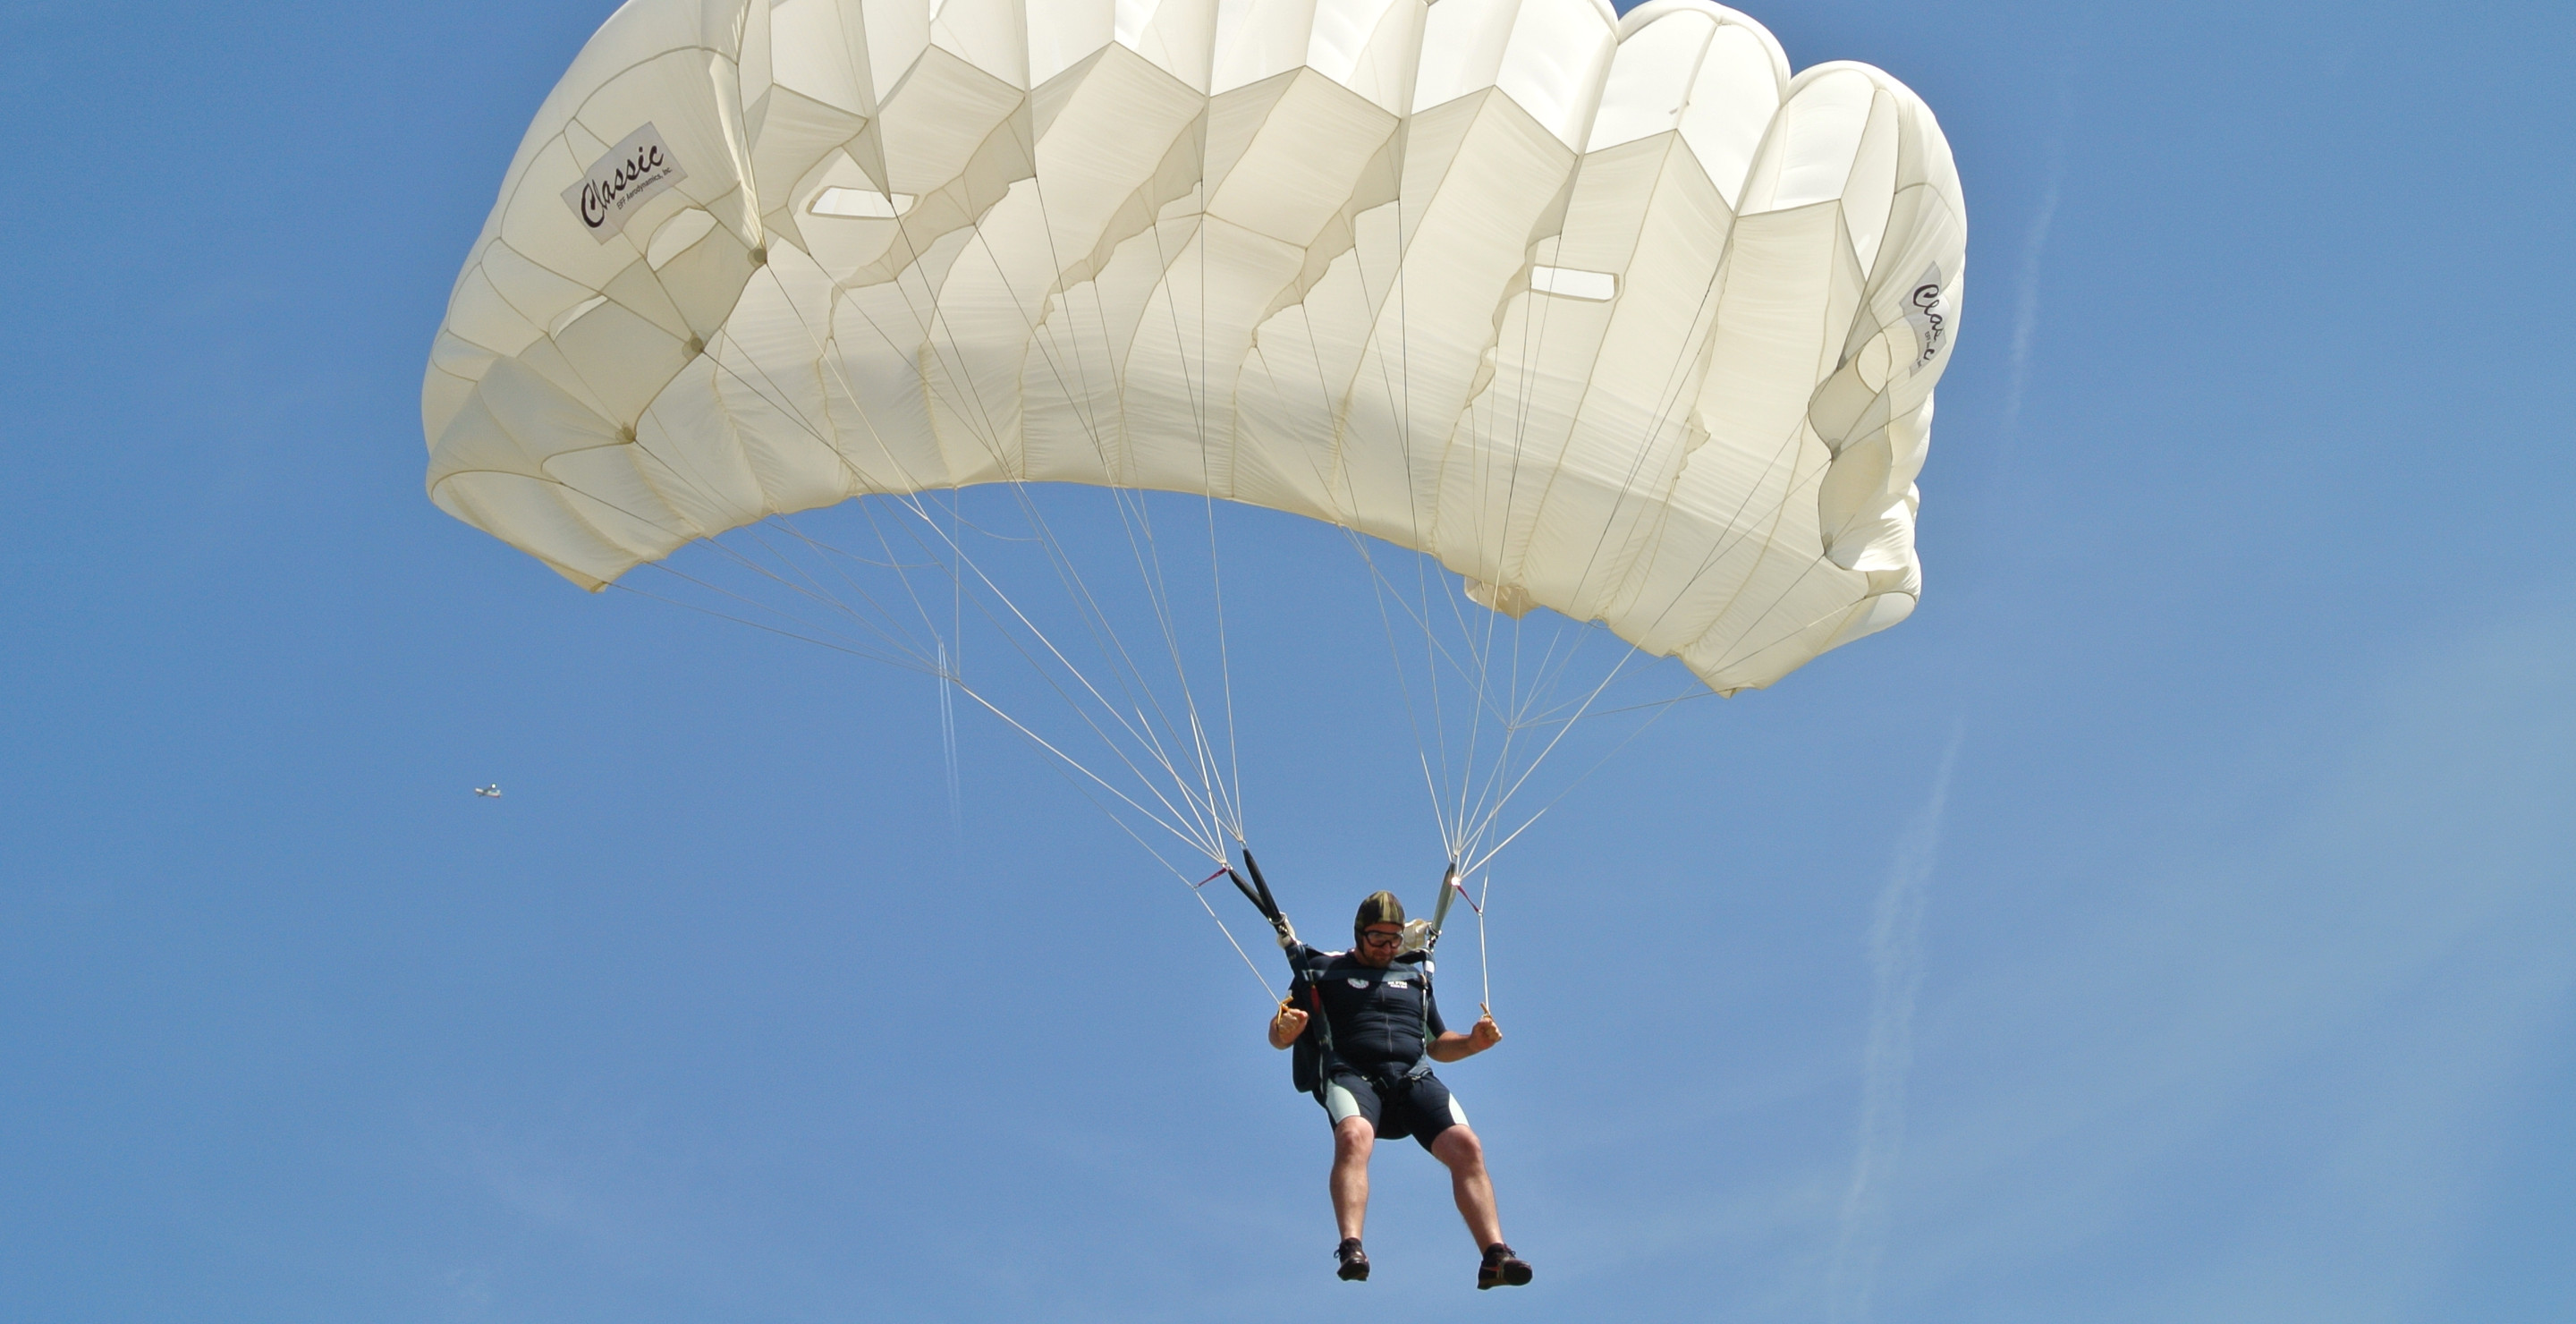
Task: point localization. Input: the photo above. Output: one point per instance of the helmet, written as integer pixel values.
(1379, 908)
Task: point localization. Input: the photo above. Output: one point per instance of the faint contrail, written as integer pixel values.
(1896, 969)
(2026, 295)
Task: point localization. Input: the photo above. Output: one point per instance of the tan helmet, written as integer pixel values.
(1379, 908)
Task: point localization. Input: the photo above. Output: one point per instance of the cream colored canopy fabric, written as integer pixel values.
(1610, 315)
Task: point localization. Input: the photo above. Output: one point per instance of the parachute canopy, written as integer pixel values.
(1610, 315)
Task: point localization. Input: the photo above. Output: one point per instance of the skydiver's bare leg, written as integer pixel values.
(1464, 1154)
(1353, 1139)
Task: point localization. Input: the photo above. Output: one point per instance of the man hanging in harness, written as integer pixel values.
(1366, 1031)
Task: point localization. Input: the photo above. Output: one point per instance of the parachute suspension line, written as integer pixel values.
(624, 587)
(952, 675)
(1533, 331)
(948, 748)
(1096, 620)
(1483, 798)
(803, 582)
(947, 705)
(1403, 682)
(1660, 709)
(1269, 995)
(1462, 833)
(1399, 391)
(1198, 814)
(1225, 673)
(1477, 832)
(1544, 677)
(1196, 842)
(1450, 840)
(1668, 399)
(1138, 529)
(888, 632)
(1207, 490)
(1183, 879)
(1489, 804)
(1484, 960)
(1696, 692)
(1529, 693)
(1128, 676)
(890, 628)
(914, 657)
(1142, 728)
(1321, 462)
(1452, 813)
(1139, 520)
(924, 513)
(1201, 897)
(1216, 791)
(1157, 587)
(1481, 653)
(1436, 650)
(1420, 620)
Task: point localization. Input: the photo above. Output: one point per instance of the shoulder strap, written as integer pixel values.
(1312, 976)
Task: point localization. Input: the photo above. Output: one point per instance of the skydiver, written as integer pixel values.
(1370, 1066)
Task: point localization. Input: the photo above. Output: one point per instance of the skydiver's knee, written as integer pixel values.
(1354, 1137)
(1459, 1148)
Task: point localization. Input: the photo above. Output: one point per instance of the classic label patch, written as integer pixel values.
(1928, 312)
(633, 173)
(1397, 983)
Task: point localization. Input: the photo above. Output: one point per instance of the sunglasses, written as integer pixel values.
(1381, 937)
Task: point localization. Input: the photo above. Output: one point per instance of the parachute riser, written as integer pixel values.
(1424, 935)
(1257, 892)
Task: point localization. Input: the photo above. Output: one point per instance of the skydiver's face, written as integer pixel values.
(1378, 943)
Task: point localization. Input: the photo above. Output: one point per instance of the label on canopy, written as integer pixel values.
(1927, 310)
(633, 173)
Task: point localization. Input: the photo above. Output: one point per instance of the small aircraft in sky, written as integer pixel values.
(492, 791)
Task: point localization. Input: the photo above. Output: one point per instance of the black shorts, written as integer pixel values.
(1420, 1107)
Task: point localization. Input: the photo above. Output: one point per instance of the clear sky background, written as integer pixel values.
(2172, 921)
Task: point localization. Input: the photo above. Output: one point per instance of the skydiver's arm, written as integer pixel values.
(1451, 1046)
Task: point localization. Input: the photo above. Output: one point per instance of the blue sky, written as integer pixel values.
(2172, 920)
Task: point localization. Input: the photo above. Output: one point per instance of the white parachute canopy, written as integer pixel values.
(1608, 315)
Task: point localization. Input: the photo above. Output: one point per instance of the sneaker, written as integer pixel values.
(1501, 1268)
(1354, 1261)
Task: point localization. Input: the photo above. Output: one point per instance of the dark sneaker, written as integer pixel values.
(1354, 1261)
(1501, 1268)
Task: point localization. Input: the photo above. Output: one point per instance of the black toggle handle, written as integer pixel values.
(1267, 912)
(1269, 905)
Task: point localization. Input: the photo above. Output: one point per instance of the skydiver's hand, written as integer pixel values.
(1485, 1035)
(1287, 1025)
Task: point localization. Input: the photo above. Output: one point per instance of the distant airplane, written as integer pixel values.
(493, 791)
